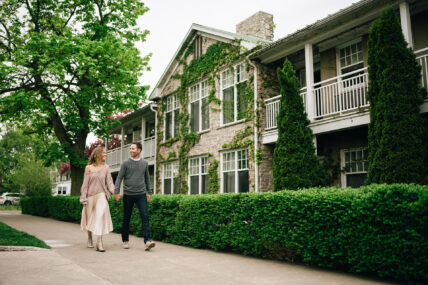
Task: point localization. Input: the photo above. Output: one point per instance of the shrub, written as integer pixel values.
(376, 229)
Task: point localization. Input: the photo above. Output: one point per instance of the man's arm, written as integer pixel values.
(119, 178)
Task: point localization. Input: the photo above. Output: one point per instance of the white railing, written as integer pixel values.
(272, 108)
(340, 94)
(149, 147)
(114, 158)
(422, 58)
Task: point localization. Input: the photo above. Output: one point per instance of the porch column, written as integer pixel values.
(406, 24)
(122, 132)
(143, 136)
(309, 67)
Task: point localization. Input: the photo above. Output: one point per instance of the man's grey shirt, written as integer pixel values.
(136, 177)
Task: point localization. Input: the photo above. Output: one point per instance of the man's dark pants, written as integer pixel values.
(143, 207)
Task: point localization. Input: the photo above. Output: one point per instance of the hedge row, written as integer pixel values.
(377, 229)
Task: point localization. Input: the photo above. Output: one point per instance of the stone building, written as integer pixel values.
(217, 101)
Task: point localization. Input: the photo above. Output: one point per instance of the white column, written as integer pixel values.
(309, 66)
(143, 135)
(406, 24)
(122, 134)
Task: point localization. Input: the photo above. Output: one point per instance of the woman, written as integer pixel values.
(96, 217)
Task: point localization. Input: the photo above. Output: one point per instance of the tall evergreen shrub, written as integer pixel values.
(396, 129)
(295, 164)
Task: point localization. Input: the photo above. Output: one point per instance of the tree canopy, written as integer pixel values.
(295, 163)
(396, 131)
(68, 65)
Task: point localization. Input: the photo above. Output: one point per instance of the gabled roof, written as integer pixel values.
(220, 35)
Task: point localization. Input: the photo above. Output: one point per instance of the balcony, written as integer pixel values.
(116, 156)
(339, 102)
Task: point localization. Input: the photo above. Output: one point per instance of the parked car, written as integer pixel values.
(10, 199)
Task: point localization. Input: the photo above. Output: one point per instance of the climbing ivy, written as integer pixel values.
(213, 180)
(206, 66)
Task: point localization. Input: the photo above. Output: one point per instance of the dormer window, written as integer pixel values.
(198, 47)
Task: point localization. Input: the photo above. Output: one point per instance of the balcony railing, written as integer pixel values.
(422, 58)
(272, 109)
(114, 158)
(340, 94)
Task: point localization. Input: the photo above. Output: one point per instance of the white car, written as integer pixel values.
(10, 199)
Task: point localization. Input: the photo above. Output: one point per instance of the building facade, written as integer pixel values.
(213, 116)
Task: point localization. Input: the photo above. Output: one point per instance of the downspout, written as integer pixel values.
(152, 105)
(256, 141)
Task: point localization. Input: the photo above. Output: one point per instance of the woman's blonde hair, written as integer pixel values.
(95, 155)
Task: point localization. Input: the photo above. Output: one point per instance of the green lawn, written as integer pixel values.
(10, 208)
(9, 236)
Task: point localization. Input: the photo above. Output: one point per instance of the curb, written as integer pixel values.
(21, 248)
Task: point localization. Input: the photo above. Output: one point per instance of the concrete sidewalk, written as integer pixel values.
(71, 262)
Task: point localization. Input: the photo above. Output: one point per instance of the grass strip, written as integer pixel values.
(12, 237)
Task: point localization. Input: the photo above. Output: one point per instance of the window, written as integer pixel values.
(171, 117)
(59, 190)
(198, 47)
(170, 178)
(233, 86)
(351, 57)
(235, 171)
(354, 163)
(199, 109)
(150, 129)
(198, 170)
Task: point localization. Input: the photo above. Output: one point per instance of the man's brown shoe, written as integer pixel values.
(149, 245)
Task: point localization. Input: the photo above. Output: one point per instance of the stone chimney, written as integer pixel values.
(260, 25)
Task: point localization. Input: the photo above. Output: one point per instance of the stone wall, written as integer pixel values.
(259, 25)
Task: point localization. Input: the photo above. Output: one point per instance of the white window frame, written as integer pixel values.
(343, 163)
(173, 173)
(344, 46)
(203, 91)
(237, 78)
(200, 170)
(235, 169)
(171, 106)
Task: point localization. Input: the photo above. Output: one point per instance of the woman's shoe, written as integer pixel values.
(100, 246)
(90, 243)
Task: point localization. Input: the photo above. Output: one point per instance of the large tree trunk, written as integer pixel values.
(76, 179)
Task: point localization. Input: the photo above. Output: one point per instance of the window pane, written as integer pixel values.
(204, 184)
(176, 185)
(194, 184)
(205, 109)
(194, 116)
(355, 180)
(229, 182)
(204, 165)
(228, 106)
(168, 125)
(242, 101)
(176, 123)
(227, 78)
(167, 186)
(243, 185)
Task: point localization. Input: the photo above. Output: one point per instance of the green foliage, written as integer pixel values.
(68, 65)
(397, 148)
(376, 229)
(36, 205)
(31, 177)
(213, 180)
(12, 237)
(295, 164)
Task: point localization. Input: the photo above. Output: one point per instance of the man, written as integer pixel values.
(136, 190)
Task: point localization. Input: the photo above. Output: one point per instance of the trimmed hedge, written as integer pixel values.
(376, 229)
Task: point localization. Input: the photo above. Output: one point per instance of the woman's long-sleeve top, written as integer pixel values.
(95, 182)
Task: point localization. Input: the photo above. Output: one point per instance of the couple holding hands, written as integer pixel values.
(98, 183)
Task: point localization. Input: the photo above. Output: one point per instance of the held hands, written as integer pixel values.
(149, 197)
(117, 196)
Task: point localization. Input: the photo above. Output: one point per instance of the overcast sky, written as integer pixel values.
(169, 20)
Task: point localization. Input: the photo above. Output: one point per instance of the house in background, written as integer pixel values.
(212, 125)
(61, 178)
(138, 126)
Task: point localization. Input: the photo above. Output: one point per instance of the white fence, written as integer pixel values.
(341, 94)
(116, 156)
(422, 58)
